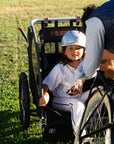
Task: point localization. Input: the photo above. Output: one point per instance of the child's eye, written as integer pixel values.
(78, 48)
(70, 48)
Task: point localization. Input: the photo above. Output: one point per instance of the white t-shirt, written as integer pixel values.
(60, 81)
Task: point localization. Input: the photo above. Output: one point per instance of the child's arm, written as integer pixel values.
(45, 98)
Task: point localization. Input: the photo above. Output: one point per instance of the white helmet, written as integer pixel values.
(73, 38)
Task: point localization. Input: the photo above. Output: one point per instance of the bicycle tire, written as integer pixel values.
(96, 122)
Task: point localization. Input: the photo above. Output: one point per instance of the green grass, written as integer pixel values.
(13, 59)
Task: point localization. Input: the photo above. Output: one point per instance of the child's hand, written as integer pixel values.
(79, 84)
(77, 88)
(44, 100)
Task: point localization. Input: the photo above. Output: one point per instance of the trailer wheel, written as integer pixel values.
(24, 101)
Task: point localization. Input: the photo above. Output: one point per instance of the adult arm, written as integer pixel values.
(94, 49)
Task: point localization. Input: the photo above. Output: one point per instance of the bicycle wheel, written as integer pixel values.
(96, 123)
(24, 101)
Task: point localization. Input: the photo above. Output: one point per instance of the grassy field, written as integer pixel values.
(13, 59)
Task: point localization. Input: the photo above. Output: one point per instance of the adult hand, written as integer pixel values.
(107, 55)
(109, 73)
(104, 67)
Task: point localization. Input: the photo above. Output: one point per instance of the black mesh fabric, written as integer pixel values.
(54, 34)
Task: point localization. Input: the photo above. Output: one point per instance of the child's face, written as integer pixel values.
(74, 52)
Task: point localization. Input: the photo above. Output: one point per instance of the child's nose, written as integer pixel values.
(75, 50)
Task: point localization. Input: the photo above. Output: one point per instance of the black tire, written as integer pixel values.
(24, 101)
(100, 119)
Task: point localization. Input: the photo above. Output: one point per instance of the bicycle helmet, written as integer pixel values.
(73, 38)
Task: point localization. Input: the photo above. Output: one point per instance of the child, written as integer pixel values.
(67, 92)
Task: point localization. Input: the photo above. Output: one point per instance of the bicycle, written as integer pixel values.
(97, 124)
